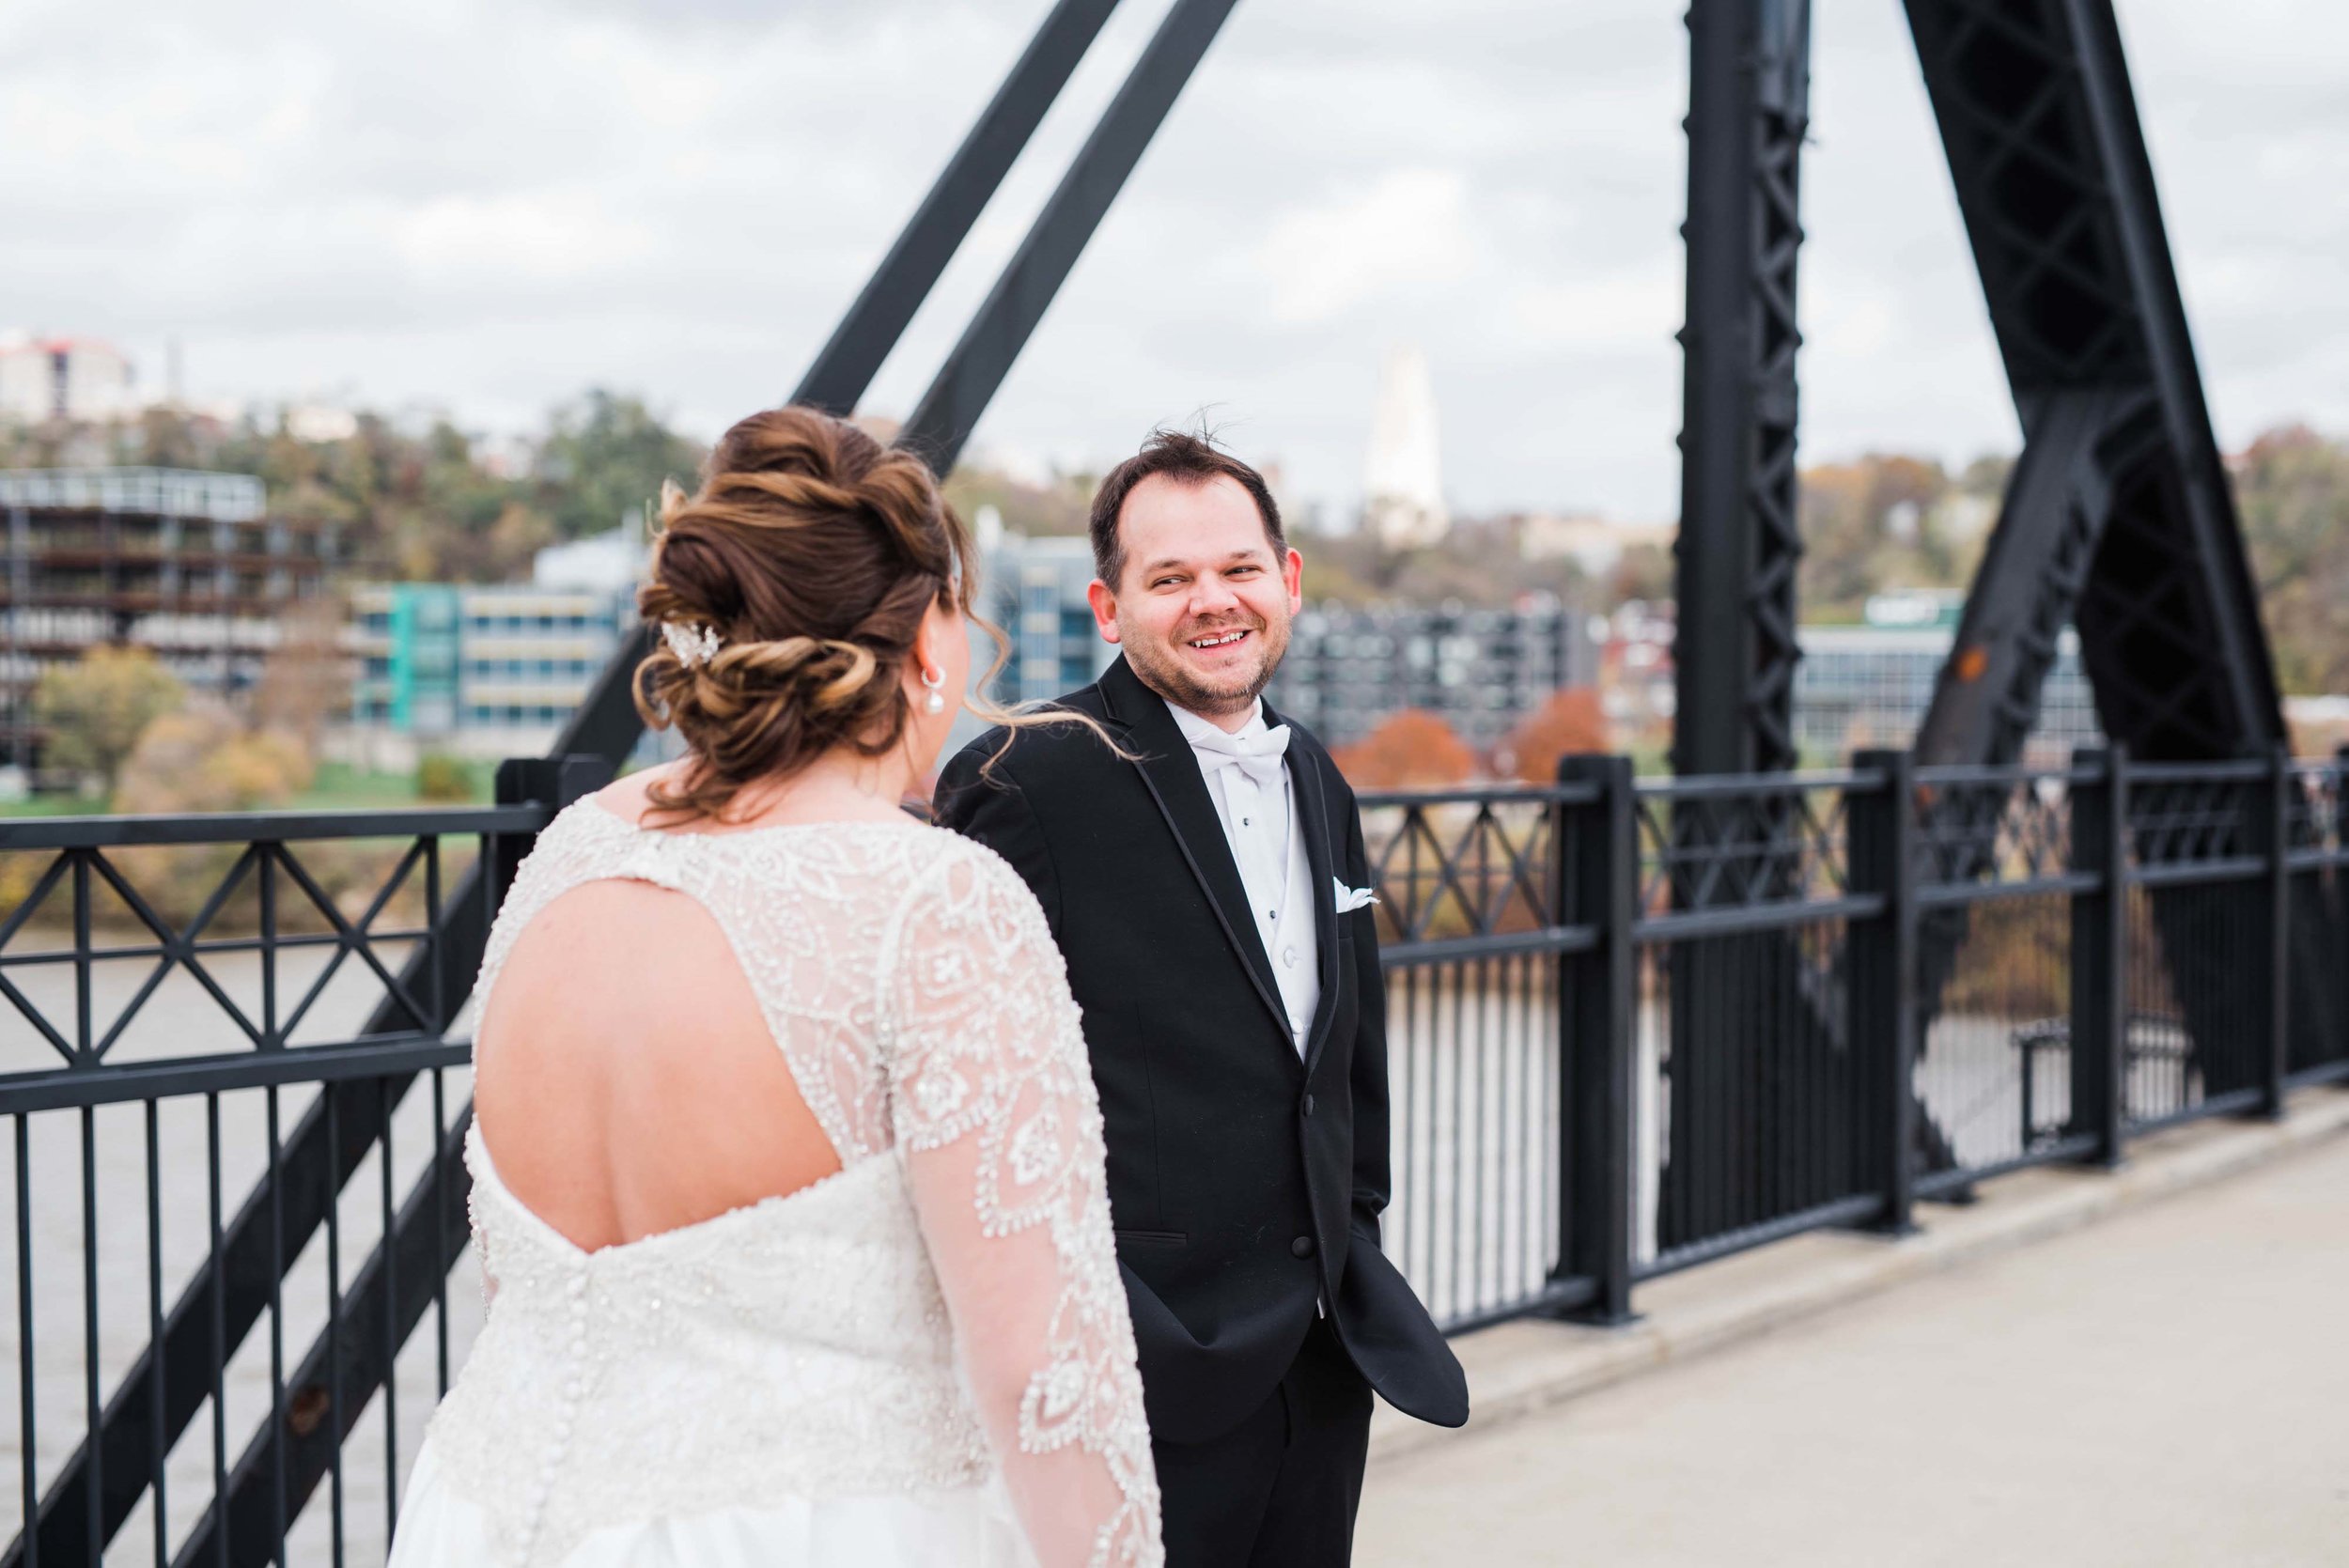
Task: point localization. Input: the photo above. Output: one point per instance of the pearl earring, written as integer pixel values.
(936, 701)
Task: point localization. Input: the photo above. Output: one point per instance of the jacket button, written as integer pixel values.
(1301, 1247)
(1309, 1105)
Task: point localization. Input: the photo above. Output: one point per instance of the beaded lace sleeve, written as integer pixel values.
(1000, 1128)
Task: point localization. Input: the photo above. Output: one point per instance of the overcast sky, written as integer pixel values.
(488, 207)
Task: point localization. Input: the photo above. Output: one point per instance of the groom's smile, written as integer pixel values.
(1224, 647)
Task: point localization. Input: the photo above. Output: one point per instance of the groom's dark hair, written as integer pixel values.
(1187, 459)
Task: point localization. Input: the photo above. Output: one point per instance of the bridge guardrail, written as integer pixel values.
(1634, 1025)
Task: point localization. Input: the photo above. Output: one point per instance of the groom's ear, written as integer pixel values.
(1104, 601)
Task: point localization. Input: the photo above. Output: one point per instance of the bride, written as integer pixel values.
(786, 1160)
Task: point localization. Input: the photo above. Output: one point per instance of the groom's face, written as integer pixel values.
(1203, 602)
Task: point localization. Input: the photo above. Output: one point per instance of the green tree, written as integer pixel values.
(96, 707)
(605, 456)
(444, 779)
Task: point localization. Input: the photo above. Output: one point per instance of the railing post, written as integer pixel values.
(1882, 985)
(2100, 918)
(555, 781)
(1598, 1000)
(2273, 834)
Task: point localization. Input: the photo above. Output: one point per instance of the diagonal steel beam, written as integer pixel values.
(967, 382)
(853, 355)
(381, 1306)
(2052, 175)
(2119, 520)
(1987, 695)
(605, 723)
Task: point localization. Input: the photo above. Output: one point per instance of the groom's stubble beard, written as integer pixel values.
(1159, 666)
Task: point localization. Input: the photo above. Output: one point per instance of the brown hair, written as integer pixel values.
(812, 551)
(1188, 459)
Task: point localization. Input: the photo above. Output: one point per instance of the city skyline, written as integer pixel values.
(490, 212)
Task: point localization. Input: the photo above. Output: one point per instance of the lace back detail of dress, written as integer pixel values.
(805, 909)
(914, 990)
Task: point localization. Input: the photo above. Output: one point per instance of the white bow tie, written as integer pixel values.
(1258, 756)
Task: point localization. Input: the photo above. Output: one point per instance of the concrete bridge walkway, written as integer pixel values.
(2168, 1388)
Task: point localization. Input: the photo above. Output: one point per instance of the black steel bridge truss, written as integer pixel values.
(2116, 521)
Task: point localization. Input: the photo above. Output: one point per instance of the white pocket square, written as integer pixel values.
(1351, 899)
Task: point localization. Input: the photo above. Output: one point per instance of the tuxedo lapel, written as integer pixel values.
(1172, 776)
(1313, 821)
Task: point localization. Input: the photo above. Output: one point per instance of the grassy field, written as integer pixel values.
(334, 787)
(338, 787)
(48, 805)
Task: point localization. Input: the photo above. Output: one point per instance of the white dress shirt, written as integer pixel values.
(1260, 825)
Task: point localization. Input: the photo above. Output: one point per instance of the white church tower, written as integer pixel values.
(1403, 482)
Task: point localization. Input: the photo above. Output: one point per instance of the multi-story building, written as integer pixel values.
(1870, 685)
(1483, 671)
(1034, 591)
(1403, 502)
(1637, 682)
(475, 671)
(62, 378)
(188, 565)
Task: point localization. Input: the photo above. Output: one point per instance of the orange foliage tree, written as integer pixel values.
(1570, 722)
(1411, 750)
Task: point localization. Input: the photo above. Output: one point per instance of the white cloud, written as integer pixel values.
(1620, 311)
(1412, 226)
(490, 207)
(542, 236)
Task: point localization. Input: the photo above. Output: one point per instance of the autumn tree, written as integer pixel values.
(95, 709)
(1411, 750)
(1570, 722)
(1871, 524)
(306, 679)
(201, 759)
(2292, 489)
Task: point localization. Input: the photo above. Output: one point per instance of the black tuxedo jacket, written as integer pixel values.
(1245, 1183)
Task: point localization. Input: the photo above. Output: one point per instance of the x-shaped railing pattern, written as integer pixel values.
(2187, 821)
(265, 867)
(1999, 832)
(1447, 868)
(1731, 851)
(2316, 804)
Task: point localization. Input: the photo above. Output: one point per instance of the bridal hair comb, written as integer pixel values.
(693, 645)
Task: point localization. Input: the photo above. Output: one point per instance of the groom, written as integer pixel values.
(1211, 899)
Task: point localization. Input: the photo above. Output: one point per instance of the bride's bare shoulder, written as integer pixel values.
(630, 796)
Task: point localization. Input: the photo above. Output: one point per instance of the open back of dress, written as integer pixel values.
(883, 1367)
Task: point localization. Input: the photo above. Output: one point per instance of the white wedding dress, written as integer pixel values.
(921, 1362)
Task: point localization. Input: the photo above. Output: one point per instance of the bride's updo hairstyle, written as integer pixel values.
(812, 551)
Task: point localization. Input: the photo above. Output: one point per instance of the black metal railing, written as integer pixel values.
(1732, 1009)
(209, 1030)
(1634, 1025)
